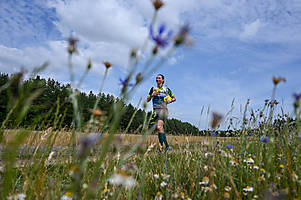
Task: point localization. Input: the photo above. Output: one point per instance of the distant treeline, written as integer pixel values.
(49, 105)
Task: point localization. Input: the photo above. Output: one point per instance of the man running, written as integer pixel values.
(161, 96)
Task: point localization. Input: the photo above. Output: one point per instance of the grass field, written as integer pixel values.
(196, 168)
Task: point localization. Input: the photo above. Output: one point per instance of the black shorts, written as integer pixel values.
(159, 114)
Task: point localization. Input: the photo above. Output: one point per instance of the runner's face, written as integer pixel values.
(159, 80)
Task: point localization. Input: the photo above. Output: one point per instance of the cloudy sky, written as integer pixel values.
(238, 46)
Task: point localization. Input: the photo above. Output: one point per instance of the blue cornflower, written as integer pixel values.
(213, 133)
(159, 39)
(125, 82)
(229, 146)
(264, 139)
(250, 134)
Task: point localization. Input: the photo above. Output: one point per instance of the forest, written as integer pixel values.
(52, 106)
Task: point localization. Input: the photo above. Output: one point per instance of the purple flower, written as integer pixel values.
(213, 133)
(125, 82)
(159, 39)
(88, 141)
(250, 134)
(229, 146)
(264, 139)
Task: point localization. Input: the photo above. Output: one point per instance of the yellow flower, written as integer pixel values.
(262, 170)
(261, 178)
(158, 196)
(68, 194)
(205, 181)
(182, 194)
(248, 189)
(226, 195)
(228, 188)
(281, 166)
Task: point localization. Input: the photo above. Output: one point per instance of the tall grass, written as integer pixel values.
(93, 161)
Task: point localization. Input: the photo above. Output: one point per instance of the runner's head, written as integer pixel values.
(160, 79)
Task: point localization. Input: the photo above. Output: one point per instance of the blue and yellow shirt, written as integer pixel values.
(159, 101)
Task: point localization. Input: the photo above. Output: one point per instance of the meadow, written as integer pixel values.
(261, 159)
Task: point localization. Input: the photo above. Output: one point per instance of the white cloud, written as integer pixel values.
(250, 30)
(101, 21)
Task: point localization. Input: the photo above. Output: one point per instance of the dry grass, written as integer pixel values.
(64, 138)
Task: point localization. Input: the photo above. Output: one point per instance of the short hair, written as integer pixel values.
(161, 76)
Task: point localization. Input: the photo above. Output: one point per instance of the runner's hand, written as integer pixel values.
(155, 92)
(168, 101)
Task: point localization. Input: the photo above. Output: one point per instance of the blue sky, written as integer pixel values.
(238, 47)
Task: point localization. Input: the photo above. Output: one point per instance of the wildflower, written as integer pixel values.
(107, 64)
(106, 190)
(187, 197)
(182, 195)
(297, 101)
(165, 176)
(278, 80)
(156, 176)
(157, 4)
(181, 37)
(159, 39)
(73, 170)
(125, 82)
(262, 170)
(294, 176)
(88, 141)
(249, 161)
(205, 189)
(248, 189)
(255, 167)
(122, 178)
(216, 118)
(213, 186)
(261, 178)
(175, 195)
(233, 163)
(213, 133)
(228, 188)
(67, 196)
(281, 166)
(205, 181)
(20, 196)
(85, 186)
(89, 65)
(264, 139)
(229, 146)
(208, 154)
(226, 195)
(72, 45)
(224, 154)
(163, 184)
(96, 112)
(130, 167)
(158, 196)
(138, 78)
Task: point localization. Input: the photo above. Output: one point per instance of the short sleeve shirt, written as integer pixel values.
(158, 100)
